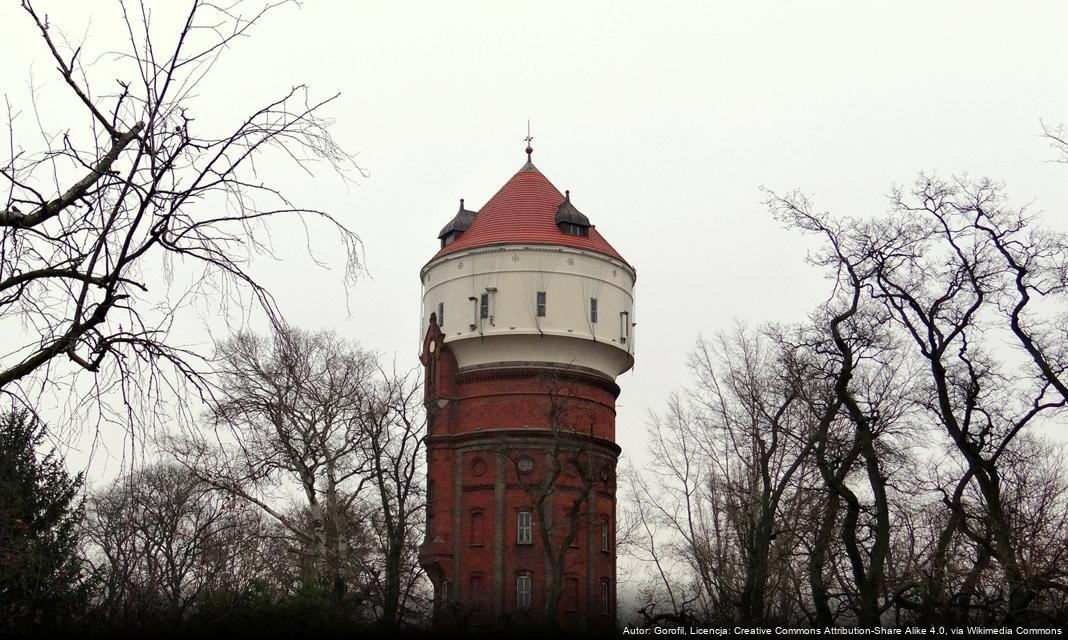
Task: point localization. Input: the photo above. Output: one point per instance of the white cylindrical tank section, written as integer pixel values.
(545, 303)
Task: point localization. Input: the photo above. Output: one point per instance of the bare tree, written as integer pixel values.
(316, 413)
(159, 540)
(939, 298)
(733, 456)
(392, 426)
(95, 225)
(291, 408)
(938, 273)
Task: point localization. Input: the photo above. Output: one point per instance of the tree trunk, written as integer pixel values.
(820, 595)
(756, 572)
(391, 597)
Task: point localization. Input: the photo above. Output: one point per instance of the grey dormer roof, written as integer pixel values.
(461, 221)
(567, 212)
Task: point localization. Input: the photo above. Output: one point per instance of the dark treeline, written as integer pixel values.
(881, 462)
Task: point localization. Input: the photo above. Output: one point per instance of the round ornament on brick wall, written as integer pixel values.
(478, 467)
(525, 464)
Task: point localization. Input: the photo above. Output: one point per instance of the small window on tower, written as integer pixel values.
(525, 528)
(483, 306)
(541, 304)
(523, 592)
(593, 310)
(605, 540)
(606, 595)
(441, 314)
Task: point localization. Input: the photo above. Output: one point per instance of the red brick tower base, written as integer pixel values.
(521, 502)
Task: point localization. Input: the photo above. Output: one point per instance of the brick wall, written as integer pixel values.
(483, 424)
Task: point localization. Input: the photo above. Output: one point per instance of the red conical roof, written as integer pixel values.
(524, 212)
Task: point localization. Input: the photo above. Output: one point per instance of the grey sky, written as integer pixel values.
(663, 119)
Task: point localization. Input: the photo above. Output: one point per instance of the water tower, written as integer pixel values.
(529, 317)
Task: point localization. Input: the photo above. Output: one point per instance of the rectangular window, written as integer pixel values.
(441, 314)
(624, 326)
(523, 591)
(525, 530)
(541, 304)
(604, 536)
(483, 306)
(605, 595)
(593, 310)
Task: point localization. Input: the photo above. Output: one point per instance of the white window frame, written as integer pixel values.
(524, 592)
(593, 310)
(541, 304)
(524, 527)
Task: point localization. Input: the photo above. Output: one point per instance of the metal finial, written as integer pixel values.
(567, 195)
(528, 140)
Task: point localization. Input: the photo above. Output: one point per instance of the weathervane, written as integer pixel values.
(528, 140)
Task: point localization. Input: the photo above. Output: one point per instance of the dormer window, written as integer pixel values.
(573, 229)
(570, 220)
(459, 223)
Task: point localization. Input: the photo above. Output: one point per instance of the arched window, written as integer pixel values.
(524, 528)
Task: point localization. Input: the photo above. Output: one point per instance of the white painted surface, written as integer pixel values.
(512, 276)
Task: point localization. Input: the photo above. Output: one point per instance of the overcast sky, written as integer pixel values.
(663, 119)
